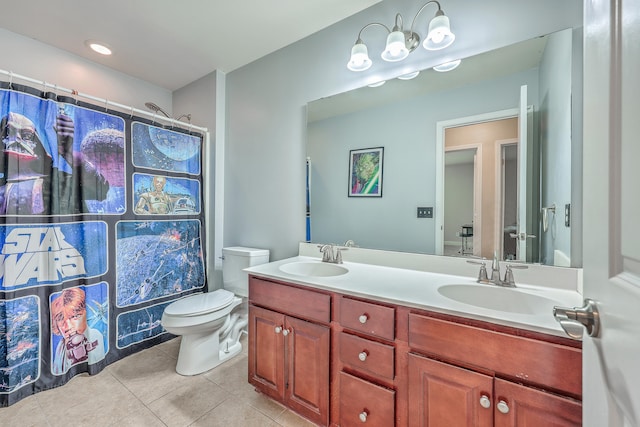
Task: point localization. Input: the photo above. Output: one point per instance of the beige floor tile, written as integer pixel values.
(291, 419)
(189, 402)
(26, 413)
(149, 374)
(233, 413)
(140, 418)
(171, 347)
(98, 400)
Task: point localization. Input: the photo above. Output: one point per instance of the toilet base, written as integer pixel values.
(202, 352)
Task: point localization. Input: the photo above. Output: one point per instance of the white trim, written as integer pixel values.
(499, 199)
(440, 128)
(219, 145)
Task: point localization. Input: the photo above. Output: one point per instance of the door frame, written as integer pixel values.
(441, 126)
(499, 191)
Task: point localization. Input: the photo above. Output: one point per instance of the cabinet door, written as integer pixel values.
(519, 406)
(266, 351)
(444, 395)
(307, 381)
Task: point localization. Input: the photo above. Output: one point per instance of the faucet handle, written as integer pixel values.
(482, 274)
(508, 274)
(338, 258)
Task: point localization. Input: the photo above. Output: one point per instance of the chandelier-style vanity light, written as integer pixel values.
(400, 42)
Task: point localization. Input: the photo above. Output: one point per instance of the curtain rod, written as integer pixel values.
(106, 102)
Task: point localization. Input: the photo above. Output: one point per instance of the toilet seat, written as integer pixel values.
(200, 304)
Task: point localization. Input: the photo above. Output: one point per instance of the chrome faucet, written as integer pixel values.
(495, 278)
(328, 255)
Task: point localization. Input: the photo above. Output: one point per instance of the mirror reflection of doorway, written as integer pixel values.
(488, 222)
(463, 194)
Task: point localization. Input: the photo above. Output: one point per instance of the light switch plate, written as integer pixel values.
(425, 212)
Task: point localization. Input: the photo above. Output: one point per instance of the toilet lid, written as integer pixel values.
(195, 305)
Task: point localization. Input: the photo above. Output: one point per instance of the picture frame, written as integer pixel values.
(365, 172)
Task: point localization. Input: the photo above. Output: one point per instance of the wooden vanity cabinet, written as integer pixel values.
(460, 374)
(343, 361)
(364, 363)
(289, 338)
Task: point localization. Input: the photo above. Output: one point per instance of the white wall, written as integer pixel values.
(555, 141)
(266, 144)
(458, 206)
(40, 61)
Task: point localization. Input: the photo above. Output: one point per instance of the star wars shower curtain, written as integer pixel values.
(101, 227)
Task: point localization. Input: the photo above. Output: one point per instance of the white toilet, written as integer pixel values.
(211, 323)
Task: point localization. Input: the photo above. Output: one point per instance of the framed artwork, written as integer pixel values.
(365, 172)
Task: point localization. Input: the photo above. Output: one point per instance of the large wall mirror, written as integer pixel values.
(493, 148)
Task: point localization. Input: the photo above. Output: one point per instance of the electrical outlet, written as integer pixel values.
(567, 215)
(425, 212)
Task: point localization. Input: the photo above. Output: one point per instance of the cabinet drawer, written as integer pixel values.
(364, 403)
(543, 363)
(368, 318)
(378, 358)
(297, 302)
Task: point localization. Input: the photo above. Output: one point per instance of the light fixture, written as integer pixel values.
(401, 43)
(99, 47)
(447, 66)
(409, 76)
(377, 84)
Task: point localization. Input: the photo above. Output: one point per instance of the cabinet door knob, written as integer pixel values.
(485, 402)
(363, 318)
(363, 355)
(363, 416)
(286, 332)
(278, 329)
(503, 407)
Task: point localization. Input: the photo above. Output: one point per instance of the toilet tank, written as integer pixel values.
(234, 260)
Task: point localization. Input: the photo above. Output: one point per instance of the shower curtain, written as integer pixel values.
(101, 227)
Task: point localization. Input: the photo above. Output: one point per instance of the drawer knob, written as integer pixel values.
(363, 318)
(485, 402)
(363, 416)
(286, 332)
(363, 355)
(503, 407)
(278, 329)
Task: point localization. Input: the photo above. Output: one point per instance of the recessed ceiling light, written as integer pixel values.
(377, 84)
(99, 47)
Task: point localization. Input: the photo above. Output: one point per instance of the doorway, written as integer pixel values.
(478, 131)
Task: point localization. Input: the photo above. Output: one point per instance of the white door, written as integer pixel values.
(525, 230)
(611, 362)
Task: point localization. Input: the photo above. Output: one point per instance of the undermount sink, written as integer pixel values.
(314, 269)
(496, 298)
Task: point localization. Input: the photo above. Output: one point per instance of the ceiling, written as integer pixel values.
(171, 43)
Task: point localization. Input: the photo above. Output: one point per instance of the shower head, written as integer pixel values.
(153, 107)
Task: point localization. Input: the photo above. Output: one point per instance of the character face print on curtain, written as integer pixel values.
(101, 227)
(59, 159)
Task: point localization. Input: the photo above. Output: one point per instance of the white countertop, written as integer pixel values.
(419, 289)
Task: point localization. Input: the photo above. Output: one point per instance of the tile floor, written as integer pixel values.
(144, 390)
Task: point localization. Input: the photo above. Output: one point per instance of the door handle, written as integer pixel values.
(574, 319)
(522, 236)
